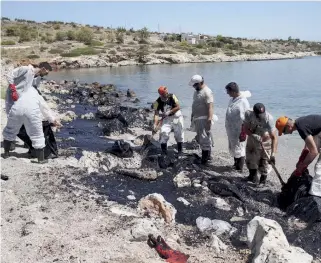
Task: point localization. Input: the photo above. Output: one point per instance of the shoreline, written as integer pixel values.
(95, 61)
(85, 191)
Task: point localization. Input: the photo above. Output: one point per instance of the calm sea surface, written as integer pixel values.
(286, 87)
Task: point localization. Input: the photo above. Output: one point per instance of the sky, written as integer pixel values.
(265, 20)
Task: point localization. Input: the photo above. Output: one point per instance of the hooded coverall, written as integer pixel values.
(29, 110)
(233, 124)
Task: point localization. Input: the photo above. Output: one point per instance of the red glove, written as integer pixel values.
(299, 168)
(304, 154)
(171, 256)
(242, 136)
(14, 93)
(299, 171)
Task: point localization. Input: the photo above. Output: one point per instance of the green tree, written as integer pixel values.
(120, 37)
(71, 35)
(111, 37)
(143, 34)
(85, 35)
(25, 34)
(61, 36)
(142, 53)
(13, 31)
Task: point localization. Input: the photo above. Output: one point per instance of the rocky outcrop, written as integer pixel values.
(156, 205)
(269, 244)
(144, 174)
(182, 180)
(218, 227)
(152, 59)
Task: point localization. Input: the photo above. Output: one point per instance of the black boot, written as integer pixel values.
(235, 163)
(40, 153)
(12, 146)
(180, 147)
(164, 148)
(7, 147)
(253, 176)
(210, 155)
(263, 179)
(205, 157)
(240, 164)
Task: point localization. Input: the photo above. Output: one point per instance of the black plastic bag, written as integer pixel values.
(121, 149)
(295, 188)
(50, 141)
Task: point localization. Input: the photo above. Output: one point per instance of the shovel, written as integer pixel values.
(273, 166)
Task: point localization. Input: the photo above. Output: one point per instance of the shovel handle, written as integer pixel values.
(273, 166)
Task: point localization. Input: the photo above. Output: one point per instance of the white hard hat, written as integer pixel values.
(195, 79)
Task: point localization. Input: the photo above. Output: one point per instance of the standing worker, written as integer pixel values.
(259, 126)
(202, 115)
(235, 114)
(168, 109)
(309, 129)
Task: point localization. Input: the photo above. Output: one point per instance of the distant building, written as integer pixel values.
(193, 39)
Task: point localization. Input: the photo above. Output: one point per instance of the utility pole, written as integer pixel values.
(38, 36)
(158, 28)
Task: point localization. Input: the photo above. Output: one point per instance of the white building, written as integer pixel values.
(193, 39)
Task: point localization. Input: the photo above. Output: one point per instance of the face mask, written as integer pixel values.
(196, 86)
(260, 117)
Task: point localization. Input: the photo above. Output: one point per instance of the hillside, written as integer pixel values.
(61, 42)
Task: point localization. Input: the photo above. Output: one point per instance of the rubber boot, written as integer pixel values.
(179, 150)
(180, 147)
(235, 163)
(12, 146)
(6, 146)
(263, 179)
(40, 153)
(240, 164)
(253, 176)
(205, 157)
(210, 155)
(164, 148)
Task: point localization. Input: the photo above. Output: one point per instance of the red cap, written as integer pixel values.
(162, 90)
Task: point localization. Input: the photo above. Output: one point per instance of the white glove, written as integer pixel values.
(166, 114)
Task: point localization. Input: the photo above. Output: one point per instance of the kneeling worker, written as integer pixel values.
(168, 109)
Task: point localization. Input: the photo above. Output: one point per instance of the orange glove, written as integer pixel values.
(164, 251)
(14, 93)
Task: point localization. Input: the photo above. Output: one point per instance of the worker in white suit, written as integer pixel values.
(234, 118)
(26, 107)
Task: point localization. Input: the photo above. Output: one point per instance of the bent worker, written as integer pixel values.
(51, 149)
(25, 107)
(309, 129)
(259, 126)
(169, 117)
(202, 115)
(234, 118)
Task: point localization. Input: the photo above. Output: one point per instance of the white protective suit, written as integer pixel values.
(175, 123)
(233, 123)
(29, 110)
(316, 182)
